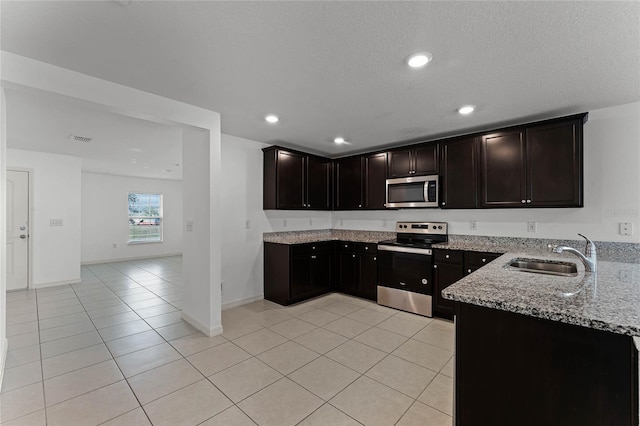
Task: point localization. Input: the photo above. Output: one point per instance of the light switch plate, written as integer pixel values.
(474, 225)
(626, 228)
(532, 226)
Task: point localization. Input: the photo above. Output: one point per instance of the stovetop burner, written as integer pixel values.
(419, 234)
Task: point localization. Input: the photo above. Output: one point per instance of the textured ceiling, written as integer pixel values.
(337, 68)
(120, 146)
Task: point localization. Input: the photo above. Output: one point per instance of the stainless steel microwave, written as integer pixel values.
(417, 191)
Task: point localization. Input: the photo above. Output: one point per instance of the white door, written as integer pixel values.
(17, 229)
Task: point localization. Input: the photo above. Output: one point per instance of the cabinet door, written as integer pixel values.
(321, 268)
(348, 184)
(554, 169)
(347, 271)
(400, 163)
(503, 169)
(375, 181)
(318, 183)
(460, 174)
(445, 275)
(425, 160)
(290, 180)
(301, 285)
(368, 276)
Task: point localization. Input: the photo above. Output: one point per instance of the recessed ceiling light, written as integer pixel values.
(167, 170)
(419, 60)
(339, 140)
(146, 167)
(467, 109)
(272, 119)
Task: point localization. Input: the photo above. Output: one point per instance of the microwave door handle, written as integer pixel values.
(426, 191)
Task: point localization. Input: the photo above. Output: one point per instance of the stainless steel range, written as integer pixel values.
(405, 266)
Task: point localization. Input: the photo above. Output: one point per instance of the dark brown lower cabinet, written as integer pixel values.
(297, 272)
(357, 269)
(293, 273)
(450, 266)
(513, 369)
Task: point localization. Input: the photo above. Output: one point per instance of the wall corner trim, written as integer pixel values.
(208, 331)
(3, 359)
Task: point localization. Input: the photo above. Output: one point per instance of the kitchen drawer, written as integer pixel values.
(367, 248)
(477, 259)
(346, 246)
(305, 248)
(449, 256)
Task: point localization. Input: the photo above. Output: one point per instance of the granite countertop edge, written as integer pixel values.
(606, 301)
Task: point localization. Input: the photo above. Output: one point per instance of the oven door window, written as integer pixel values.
(406, 271)
(406, 192)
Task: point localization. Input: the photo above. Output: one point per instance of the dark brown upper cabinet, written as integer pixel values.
(361, 182)
(503, 169)
(535, 166)
(418, 160)
(294, 180)
(459, 166)
(554, 169)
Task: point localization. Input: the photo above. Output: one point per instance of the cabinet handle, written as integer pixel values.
(484, 260)
(528, 201)
(313, 248)
(375, 258)
(443, 203)
(435, 266)
(523, 201)
(353, 255)
(359, 205)
(446, 256)
(469, 270)
(366, 248)
(313, 257)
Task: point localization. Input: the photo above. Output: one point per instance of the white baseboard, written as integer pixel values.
(124, 259)
(3, 359)
(55, 284)
(239, 302)
(208, 331)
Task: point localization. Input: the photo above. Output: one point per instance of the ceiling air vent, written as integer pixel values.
(76, 138)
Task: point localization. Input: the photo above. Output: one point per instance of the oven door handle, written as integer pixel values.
(383, 247)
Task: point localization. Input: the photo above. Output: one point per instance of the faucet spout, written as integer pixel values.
(589, 258)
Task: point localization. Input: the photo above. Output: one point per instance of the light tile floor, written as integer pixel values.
(113, 350)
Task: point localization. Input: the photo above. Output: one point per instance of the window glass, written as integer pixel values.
(145, 217)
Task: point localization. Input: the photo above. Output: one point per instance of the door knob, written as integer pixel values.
(23, 236)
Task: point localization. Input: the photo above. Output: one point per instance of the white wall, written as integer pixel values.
(4, 344)
(55, 184)
(104, 200)
(611, 193)
(242, 258)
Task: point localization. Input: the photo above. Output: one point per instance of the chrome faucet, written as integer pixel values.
(588, 258)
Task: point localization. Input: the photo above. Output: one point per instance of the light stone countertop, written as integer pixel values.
(608, 300)
(301, 237)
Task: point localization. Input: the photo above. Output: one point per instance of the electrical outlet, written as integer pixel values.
(247, 224)
(532, 226)
(56, 222)
(284, 223)
(341, 222)
(626, 228)
(474, 225)
(310, 222)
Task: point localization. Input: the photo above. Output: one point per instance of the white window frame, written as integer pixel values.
(159, 218)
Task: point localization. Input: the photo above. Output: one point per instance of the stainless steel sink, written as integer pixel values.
(539, 266)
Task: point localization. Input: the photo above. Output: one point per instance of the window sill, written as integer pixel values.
(134, 243)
